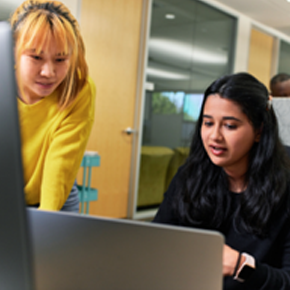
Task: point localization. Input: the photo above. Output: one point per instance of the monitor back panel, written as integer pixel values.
(15, 256)
(86, 252)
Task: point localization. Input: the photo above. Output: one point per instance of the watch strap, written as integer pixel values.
(237, 264)
(249, 262)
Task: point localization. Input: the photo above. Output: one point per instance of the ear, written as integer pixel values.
(258, 134)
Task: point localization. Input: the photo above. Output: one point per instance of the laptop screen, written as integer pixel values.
(15, 257)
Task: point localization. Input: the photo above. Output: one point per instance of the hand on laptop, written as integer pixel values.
(230, 260)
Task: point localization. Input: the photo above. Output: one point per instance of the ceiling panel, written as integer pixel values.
(273, 13)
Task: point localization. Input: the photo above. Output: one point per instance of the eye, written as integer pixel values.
(60, 59)
(230, 126)
(207, 123)
(36, 57)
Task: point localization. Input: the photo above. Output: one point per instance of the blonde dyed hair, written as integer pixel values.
(35, 23)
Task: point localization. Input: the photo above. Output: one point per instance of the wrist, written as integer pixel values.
(238, 264)
(246, 268)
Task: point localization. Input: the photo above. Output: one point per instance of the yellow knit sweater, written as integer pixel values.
(53, 144)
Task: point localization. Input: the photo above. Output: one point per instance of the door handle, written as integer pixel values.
(129, 131)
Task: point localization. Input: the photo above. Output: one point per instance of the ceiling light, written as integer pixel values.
(163, 74)
(186, 52)
(172, 16)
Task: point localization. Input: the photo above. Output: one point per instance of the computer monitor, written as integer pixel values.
(56, 250)
(15, 255)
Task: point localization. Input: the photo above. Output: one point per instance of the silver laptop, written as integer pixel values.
(73, 252)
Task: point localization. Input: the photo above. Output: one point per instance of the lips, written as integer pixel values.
(217, 150)
(45, 85)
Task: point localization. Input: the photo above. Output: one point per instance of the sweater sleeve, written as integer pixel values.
(266, 277)
(66, 150)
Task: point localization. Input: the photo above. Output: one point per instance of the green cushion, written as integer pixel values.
(179, 157)
(153, 172)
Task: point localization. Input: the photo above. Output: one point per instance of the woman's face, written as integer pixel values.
(227, 134)
(42, 73)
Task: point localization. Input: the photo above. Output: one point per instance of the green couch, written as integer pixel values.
(153, 175)
(179, 157)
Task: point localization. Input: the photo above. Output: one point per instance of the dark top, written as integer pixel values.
(272, 254)
(287, 149)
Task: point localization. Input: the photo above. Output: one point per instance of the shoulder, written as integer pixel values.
(166, 213)
(287, 196)
(283, 209)
(90, 83)
(176, 182)
(88, 90)
(287, 148)
(84, 104)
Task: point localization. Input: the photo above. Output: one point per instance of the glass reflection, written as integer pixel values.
(187, 51)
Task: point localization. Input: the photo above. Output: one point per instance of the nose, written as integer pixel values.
(216, 133)
(47, 69)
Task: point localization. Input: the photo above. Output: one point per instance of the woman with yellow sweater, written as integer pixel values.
(55, 101)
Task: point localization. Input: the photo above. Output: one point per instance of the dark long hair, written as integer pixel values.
(203, 197)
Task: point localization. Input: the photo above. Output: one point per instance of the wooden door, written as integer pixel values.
(111, 31)
(261, 56)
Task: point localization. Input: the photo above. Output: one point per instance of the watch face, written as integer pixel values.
(246, 272)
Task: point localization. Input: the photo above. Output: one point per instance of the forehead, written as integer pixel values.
(281, 88)
(46, 46)
(47, 41)
(285, 86)
(49, 47)
(215, 105)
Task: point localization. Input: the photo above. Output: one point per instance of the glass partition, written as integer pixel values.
(191, 44)
(284, 60)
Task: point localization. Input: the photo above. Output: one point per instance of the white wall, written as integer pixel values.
(8, 6)
(74, 6)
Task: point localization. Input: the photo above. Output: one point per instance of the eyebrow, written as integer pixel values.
(224, 118)
(33, 50)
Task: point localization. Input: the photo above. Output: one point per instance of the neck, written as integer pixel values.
(237, 182)
(29, 101)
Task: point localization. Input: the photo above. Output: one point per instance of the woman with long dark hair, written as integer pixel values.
(236, 181)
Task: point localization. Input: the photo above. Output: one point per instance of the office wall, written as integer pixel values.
(260, 55)
(242, 44)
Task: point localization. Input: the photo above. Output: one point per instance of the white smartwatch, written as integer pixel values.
(246, 269)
